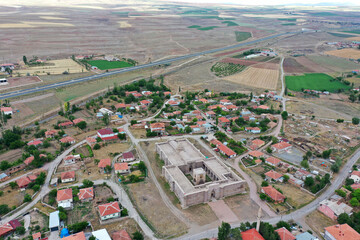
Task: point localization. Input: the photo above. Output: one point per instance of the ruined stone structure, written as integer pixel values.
(193, 177)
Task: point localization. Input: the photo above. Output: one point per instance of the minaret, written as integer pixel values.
(258, 219)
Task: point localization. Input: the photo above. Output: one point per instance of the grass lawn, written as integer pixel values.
(314, 81)
(287, 19)
(242, 36)
(288, 24)
(194, 26)
(230, 23)
(103, 64)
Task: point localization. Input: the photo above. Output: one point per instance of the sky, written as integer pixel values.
(275, 2)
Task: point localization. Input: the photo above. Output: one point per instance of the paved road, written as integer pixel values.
(166, 61)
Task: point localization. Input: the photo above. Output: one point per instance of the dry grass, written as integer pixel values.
(150, 204)
(256, 77)
(124, 24)
(243, 207)
(53, 67)
(104, 152)
(26, 24)
(13, 197)
(53, 18)
(43, 208)
(318, 221)
(138, 133)
(354, 39)
(202, 214)
(351, 53)
(295, 196)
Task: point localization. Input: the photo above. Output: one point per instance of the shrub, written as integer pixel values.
(97, 146)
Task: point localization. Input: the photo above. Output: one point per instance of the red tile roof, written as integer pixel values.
(86, 193)
(223, 120)
(281, 145)
(78, 120)
(343, 232)
(23, 182)
(6, 109)
(273, 194)
(5, 229)
(29, 160)
(251, 234)
(355, 186)
(128, 155)
(76, 236)
(356, 173)
(273, 160)
(15, 223)
(64, 194)
(36, 235)
(51, 132)
(285, 234)
(258, 142)
(67, 123)
(34, 142)
(67, 175)
(145, 102)
(109, 208)
(104, 162)
(157, 125)
(210, 113)
(227, 151)
(263, 107)
(105, 131)
(273, 174)
(121, 166)
(256, 154)
(121, 235)
(67, 139)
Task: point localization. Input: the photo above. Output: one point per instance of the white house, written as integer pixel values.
(106, 111)
(121, 168)
(6, 110)
(355, 175)
(65, 198)
(109, 210)
(71, 159)
(3, 81)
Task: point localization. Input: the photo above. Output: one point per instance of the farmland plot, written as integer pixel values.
(256, 77)
(53, 67)
(345, 53)
(226, 69)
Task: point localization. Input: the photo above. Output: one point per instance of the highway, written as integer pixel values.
(129, 69)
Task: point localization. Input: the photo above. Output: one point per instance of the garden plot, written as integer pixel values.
(221, 69)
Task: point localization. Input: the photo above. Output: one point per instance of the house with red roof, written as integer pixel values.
(273, 161)
(285, 234)
(78, 120)
(76, 236)
(29, 160)
(167, 93)
(355, 175)
(6, 110)
(121, 235)
(173, 103)
(258, 142)
(145, 102)
(36, 236)
(91, 141)
(109, 210)
(231, 107)
(67, 176)
(203, 100)
(226, 151)
(223, 122)
(281, 147)
(255, 154)
(251, 234)
(157, 127)
(66, 124)
(274, 194)
(67, 139)
(121, 168)
(254, 130)
(122, 106)
(127, 157)
(50, 133)
(341, 232)
(263, 107)
(104, 162)
(35, 142)
(107, 134)
(64, 198)
(71, 159)
(86, 194)
(23, 182)
(273, 176)
(355, 186)
(225, 102)
(210, 114)
(6, 229)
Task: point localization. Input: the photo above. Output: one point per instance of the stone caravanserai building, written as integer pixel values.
(195, 178)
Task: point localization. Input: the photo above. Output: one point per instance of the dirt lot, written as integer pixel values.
(292, 66)
(318, 221)
(295, 197)
(20, 81)
(110, 150)
(267, 65)
(244, 208)
(38, 218)
(256, 77)
(11, 155)
(82, 212)
(345, 53)
(13, 197)
(312, 66)
(150, 204)
(138, 133)
(53, 67)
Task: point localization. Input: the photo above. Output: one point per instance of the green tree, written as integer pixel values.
(20, 230)
(92, 238)
(97, 146)
(108, 169)
(13, 185)
(87, 183)
(142, 167)
(354, 202)
(106, 119)
(309, 181)
(224, 231)
(82, 125)
(264, 184)
(355, 121)
(341, 193)
(356, 194)
(78, 227)
(304, 163)
(326, 153)
(284, 115)
(62, 216)
(352, 97)
(25, 59)
(343, 218)
(286, 178)
(4, 209)
(137, 235)
(284, 224)
(27, 198)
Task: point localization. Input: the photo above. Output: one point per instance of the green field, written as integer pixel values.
(341, 35)
(323, 14)
(194, 26)
(230, 23)
(288, 24)
(334, 63)
(287, 19)
(242, 36)
(207, 28)
(314, 81)
(104, 64)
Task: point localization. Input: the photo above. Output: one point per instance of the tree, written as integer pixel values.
(92, 238)
(284, 115)
(4, 209)
(142, 167)
(78, 227)
(264, 184)
(62, 216)
(354, 202)
(341, 193)
(284, 224)
(352, 97)
(355, 121)
(304, 163)
(108, 169)
(27, 198)
(137, 235)
(82, 125)
(224, 231)
(25, 60)
(286, 178)
(343, 218)
(97, 146)
(13, 185)
(106, 119)
(87, 183)
(356, 194)
(268, 150)
(20, 230)
(326, 153)
(188, 129)
(309, 181)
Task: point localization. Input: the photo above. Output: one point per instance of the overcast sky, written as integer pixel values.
(275, 2)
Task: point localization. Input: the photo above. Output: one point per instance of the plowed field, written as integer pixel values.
(351, 53)
(256, 77)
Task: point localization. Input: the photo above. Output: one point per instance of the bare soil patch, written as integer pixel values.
(239, 61)
(11, 155)
(244, 208)
(267, 65)
(20, 81)
(13, 197)
(295, 196)
(256, 77)
(110, 149)
(231, 52)
(292, 66)
(350, 53)
(312, 66)
(318, 221)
